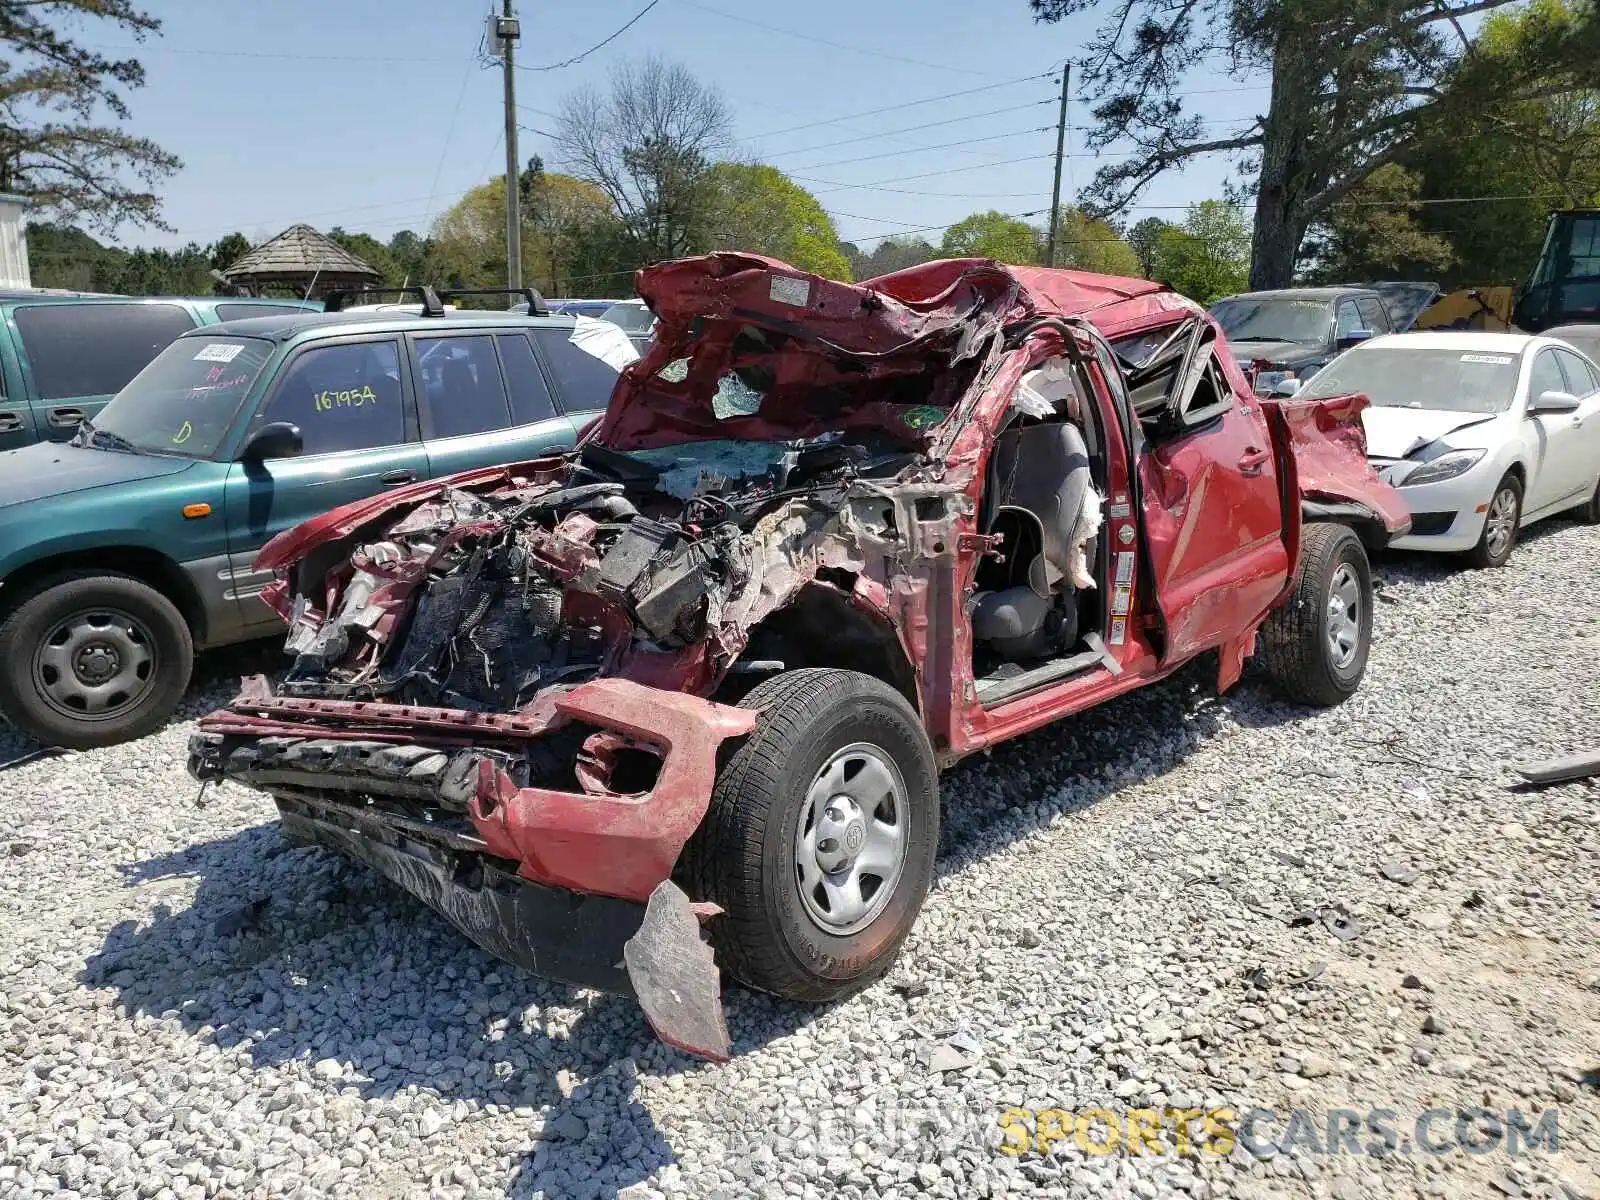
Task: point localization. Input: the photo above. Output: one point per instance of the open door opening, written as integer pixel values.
(1038, 609)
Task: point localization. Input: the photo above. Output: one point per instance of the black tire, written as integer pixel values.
(153, 689)
(744, 854)
(1297, 636)
(1481, 555)
(1589, 511)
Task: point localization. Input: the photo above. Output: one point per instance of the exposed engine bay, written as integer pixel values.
(481, 601)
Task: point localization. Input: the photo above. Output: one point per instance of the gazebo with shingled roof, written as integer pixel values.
(300, 260)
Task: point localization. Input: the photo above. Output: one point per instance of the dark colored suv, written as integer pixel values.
(1292, 333)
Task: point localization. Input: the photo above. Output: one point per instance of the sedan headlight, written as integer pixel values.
(1268, 379)
(1446, 466)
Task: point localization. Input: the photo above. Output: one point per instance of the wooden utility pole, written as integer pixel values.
(1061, 145)
(507, 31)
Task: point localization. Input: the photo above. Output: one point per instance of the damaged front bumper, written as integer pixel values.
(570, 885)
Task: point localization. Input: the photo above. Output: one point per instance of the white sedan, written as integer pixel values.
(1483, 433)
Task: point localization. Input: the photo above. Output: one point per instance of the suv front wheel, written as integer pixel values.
(90, 659)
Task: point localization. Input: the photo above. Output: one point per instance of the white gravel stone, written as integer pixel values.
(1115, 921)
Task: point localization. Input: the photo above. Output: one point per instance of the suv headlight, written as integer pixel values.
(1446, 466)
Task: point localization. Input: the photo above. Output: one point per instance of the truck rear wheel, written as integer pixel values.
(820, 839)
(1317, 641)
(89, 659)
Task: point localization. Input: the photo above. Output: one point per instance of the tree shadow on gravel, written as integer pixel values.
(1074, 763)
(290, 953)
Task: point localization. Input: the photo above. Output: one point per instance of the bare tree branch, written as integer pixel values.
(647, 144)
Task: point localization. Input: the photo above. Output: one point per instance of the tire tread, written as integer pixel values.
(13, 657)
(1292, 634)
(723, 861)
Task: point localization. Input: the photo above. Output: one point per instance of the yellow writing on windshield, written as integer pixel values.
(349, 398)
(185, 432)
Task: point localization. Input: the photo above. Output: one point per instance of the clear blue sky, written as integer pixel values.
(376, 115)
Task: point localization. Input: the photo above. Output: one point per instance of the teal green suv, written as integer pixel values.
(133, 544)
(62, 357)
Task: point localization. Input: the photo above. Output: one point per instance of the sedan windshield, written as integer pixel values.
(1244, 320)
(1455, 380)
(184, 402)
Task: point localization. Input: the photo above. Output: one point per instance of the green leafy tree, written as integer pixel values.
(370, 251)
(759, 208)
(1087, 244)
(410, 253)
(1520, 159)
(1144, 237)
(228, 250)
(562, 216)
(1355, 85)
(51, 90)
(1375, 233)
(558, 235)
(1208, 256)
(992, 235)
(64, 256)
(894, 253)
(185, 272)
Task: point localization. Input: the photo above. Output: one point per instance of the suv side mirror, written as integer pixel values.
(280, 439)
(1354, 338)
(1285, 388)
(1553, 402)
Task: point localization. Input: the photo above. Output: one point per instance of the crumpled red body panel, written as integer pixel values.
(1330, 454)
(613, 845)
(291, 545)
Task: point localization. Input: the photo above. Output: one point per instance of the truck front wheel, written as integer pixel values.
(90, 659)
(819, 842)
(1317, 642)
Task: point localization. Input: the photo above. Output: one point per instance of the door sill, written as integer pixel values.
(998, 691)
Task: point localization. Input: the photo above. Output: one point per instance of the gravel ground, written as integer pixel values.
(1175, 900)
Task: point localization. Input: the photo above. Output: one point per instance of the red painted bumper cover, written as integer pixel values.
(600, 842)
(596, 848)
(614, 845)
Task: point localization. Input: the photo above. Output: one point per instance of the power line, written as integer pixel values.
(835, 186)
(347, 59)
(1243, 87)
(920, 149)
(867, 137)
(1021, 216)
(578, 58)
(455, 113)
(806, 37)
(872, 112)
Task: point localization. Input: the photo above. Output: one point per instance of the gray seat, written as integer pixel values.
(1039, 474)
(1043, 470)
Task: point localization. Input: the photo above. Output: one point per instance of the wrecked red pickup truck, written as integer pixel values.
(828, 539)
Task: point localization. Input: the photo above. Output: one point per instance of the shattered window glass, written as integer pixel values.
(675, 371)
(735, 398)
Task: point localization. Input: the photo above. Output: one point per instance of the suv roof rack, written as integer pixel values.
(434, 299)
